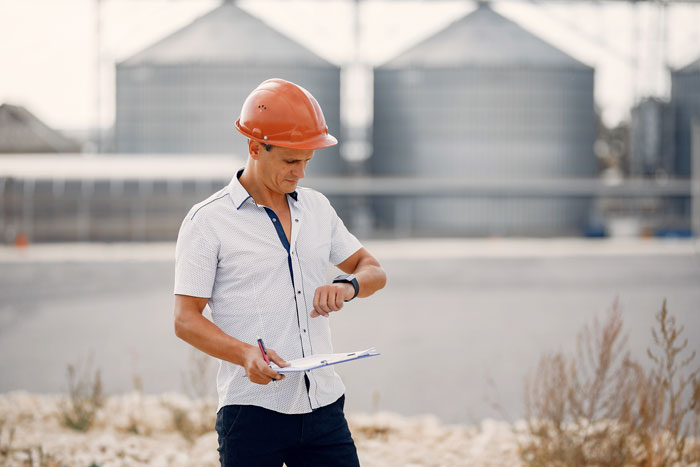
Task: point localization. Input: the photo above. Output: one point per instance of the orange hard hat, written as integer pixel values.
(282, 113)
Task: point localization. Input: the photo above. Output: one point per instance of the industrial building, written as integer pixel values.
(685, 99)
(22, 132)
(75, 197)
(183, 94)
(651, 139)
(484, 99)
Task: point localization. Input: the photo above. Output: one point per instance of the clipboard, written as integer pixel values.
(322, 360)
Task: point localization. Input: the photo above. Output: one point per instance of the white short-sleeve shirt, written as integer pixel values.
(230, 250)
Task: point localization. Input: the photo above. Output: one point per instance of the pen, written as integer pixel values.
(262, 349)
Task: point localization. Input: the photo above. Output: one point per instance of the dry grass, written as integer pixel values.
(600, 407)
(198, 377)
(182, 422)
(85, 397)
(197, 382)
(373, 432)
(7, 436)
(32, 456)
(190, 420)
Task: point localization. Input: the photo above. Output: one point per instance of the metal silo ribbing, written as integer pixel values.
(496, 103)
(183, 94)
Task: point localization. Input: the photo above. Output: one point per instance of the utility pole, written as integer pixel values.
(356, 119)
(356, 100)
(98, 76)
(695, 177)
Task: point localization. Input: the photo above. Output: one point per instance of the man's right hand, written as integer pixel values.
(256, 368)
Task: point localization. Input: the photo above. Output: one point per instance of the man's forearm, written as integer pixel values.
(201, 333)
(370, 277)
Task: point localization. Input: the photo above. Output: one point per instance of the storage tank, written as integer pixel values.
(651, 139)
(685, 98)
(484, 98)
(184, 93)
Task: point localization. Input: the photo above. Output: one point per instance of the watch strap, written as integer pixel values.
(350, 279)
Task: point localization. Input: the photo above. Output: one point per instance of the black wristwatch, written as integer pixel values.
(350, 279)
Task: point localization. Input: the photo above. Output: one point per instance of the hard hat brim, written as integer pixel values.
(319, 142)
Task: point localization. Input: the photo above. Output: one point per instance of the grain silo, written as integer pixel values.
(685, 99)
(651, 139)
(183, 94)
(484, 99)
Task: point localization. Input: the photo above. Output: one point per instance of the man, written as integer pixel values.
(257, 252)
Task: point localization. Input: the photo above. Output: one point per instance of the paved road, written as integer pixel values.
(455, 315)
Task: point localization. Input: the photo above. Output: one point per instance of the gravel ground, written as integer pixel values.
(140, 431)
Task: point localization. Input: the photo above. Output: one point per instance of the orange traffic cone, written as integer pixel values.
(21, 240)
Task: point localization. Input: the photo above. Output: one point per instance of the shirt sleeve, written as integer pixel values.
(196, 260)
(343, 243)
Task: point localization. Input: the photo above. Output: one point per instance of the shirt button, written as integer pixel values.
(298, 292)
(296, 220)
(274, 220)
(304, 330)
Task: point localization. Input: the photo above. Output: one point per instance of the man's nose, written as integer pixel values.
(298, 171)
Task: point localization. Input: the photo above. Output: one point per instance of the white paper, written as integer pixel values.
(321, 360)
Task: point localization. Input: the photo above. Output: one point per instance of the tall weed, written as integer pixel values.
(601, 407)
(85, 397)
(198, 385)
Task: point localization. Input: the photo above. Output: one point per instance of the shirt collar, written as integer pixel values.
(240, 195)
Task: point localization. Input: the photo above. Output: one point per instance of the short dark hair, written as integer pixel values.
(268, 147)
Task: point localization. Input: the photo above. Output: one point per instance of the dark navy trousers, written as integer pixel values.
(251, 436)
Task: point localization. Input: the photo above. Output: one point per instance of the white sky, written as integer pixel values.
(48, 48)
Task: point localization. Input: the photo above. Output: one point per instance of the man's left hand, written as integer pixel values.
(331, 297)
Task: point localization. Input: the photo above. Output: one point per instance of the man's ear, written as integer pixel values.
(254, 149)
